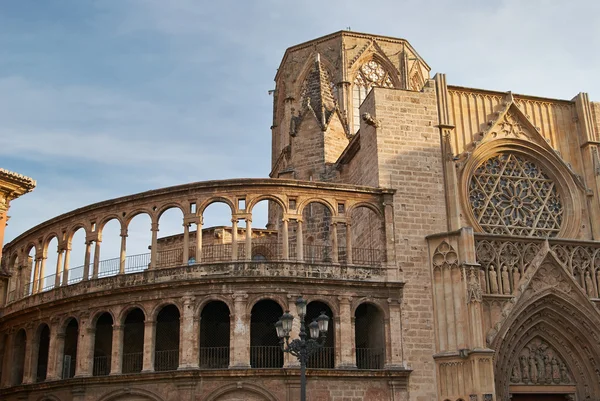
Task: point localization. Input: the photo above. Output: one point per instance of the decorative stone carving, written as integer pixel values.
(445, 256)
(473, 288)
(511, 195)
(538, 363)
(549, 276)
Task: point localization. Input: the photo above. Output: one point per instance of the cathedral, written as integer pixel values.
(451, 236)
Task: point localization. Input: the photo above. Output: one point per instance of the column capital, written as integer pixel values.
(154, 226)
(123, 232)
(344, 299)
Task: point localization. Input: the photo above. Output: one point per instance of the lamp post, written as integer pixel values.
(303, 347)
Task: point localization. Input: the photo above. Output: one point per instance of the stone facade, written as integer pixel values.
(451, 235)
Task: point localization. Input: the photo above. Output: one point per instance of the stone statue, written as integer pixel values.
(524, 369)
(505, 281)
(516, 278)
(533, 373)
(555, 371)
(515, 377)
(589, 286)
(564, 376)
(541, 368)
(493, 280)
(548, 373)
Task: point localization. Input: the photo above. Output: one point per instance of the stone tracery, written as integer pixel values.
(369, 75)
(512, 195)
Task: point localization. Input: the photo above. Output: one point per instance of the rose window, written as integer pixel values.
(511, 195)
(369, 75)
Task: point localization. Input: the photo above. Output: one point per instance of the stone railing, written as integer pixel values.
(337, 257)
(504, 260)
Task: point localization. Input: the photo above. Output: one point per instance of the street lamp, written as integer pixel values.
(302, 348)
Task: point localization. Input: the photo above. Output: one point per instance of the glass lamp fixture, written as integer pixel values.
(301, 306)
(314, 329)
(286, 321)
(323, 321)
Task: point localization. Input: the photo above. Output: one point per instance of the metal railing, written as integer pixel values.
(266, 356)
(101, 366)
(214, 357)
(369, 358)
(133, 362)
(322, 358)
(166, 360)
(261, 252)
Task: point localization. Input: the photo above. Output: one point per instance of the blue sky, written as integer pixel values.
(105, 98)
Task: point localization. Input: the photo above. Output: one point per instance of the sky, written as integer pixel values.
(105, 98)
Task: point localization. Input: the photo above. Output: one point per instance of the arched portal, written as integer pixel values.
(214, 336)
(323, 358)
(133, 341)
(265, 351)
(42, 357)
(369, 337)
(70, 351)
(103, 345)
(549, 345)
(166, 356)
(18, 364)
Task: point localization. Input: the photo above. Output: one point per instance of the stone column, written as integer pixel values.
(345, 333)
(86, 261)
(85, 349)
(67, 265)
(59, 356)
(29, 362)
(59, 266)
(395, 351)
(19, 290)
(290, 361)
(188, 337)
(8, 360)
(348, 243)
(334, 243)
(234, 253)
(390, 249)
(149, 343)
(123, 250)
(52, 373)
(116, 358)
(199, 240)
(186, 243)
(240, 334)
(96, 259)
(285, 254)
(42, 273)
(154, 246)
(248, 238)
(299, 241)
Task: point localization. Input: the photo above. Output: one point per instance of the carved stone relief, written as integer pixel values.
(539, 363)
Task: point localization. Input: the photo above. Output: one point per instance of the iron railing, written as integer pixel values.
(133, 362)
(266, 356)
(369, 358)
(261, 252)
(101, 366)
(214, 357)
(166, 360)
(322, 358)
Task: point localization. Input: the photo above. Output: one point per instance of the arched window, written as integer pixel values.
(103, 345)
(369, 337)
(323, 358)
(133, 341)
(265, 351)
(214, 336)
(370, 74)
(166, 356)
(70, 351)
(42, 357)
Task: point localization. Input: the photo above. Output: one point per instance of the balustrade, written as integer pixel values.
(214, 357)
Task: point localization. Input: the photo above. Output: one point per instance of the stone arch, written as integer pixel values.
(568, 325)
(324, 202)
(243, 386)
(213, 297)
(163, 208)
(279, 299)
(569, 190)
(216, 199)
(123, 314)
(137, 211)
(105, 219)
(122, 394)
(95, 315)
(352, 208)
(371, 301)
(74, 228)
(374, 54)
(260, 198)
(162, 304)
(46, 397)
(327, 301)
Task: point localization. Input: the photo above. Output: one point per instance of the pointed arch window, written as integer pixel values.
(369, 75)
